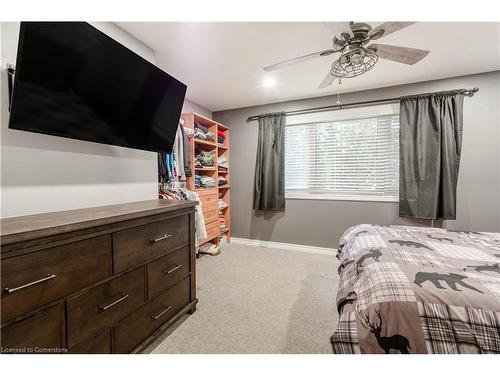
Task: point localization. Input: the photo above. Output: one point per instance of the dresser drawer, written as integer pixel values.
(104, 305)
(168, 270)
(213, 229)
(209, 201)
(35, 279)
(40, 333)
(100, 344)
(138, 326)
(140, 244)
(211, 215)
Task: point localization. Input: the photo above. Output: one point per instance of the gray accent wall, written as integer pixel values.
(322, 222)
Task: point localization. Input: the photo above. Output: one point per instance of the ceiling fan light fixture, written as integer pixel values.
(354, 62)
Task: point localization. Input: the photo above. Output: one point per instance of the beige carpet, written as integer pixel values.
(258, 300)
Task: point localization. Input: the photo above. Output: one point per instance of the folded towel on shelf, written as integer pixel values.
(202, 132)
(197, 125)
(205, 159)
(210, 136)
(221, 134)
(222, 204)
(221, 181)
(222, 161)
(199, 134)
(220, 140)
(204, 182)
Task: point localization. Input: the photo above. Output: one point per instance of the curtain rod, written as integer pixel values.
(468, 92)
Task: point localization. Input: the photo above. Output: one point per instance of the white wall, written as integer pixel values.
(190, 106)
(42, 173)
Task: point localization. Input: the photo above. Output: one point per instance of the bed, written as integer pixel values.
(417, 290)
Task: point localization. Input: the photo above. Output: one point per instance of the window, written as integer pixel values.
(348, 154)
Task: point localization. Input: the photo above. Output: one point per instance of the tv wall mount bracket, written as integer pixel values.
(11, 70)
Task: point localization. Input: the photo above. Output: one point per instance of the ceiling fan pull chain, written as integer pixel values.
(338, 91)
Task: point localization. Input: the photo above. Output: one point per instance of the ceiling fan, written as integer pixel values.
(356, 56)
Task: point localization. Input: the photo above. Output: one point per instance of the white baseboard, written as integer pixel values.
(284, 246)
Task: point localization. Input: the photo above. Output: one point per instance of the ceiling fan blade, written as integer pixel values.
(327, 81)
(403, 55)
(390, 27)
(297, 60)
(337, 28)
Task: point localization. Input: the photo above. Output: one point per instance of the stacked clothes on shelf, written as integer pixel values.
(204, 159)
(222, 181)
(209, 248)
(203, 182)
(202, 132)
(221, 137)
(176, 166)
(222, 163)
(222, 223)
(222, 204)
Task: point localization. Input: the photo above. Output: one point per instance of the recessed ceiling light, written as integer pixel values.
(269, 82)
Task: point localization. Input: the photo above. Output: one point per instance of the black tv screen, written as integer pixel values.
(72, 80)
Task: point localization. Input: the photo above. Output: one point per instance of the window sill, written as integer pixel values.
(338, 197)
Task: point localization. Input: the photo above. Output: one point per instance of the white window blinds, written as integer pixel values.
(352, 153)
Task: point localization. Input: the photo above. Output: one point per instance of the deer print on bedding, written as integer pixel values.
(413, 289)
(396, 342)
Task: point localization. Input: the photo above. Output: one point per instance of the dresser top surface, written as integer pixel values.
(23, 228)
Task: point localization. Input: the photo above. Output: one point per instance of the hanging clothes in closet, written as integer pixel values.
(173, 168)
(176, 166)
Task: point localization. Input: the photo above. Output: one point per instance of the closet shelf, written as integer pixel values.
(205, 189)
(205, 169)
(203, 142)
(210, 195)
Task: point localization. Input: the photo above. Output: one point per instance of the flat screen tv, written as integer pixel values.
(72, 80)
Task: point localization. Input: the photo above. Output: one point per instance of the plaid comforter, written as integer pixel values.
(418, 290)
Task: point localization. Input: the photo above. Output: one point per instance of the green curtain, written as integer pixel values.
(430, 144)
(269, 180)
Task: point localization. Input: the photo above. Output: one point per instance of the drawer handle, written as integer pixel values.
(13, 290)
(164, 237)
(156, 317)
(168, 272)
(122, 298)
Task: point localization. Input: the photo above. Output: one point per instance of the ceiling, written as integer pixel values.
(221, 63)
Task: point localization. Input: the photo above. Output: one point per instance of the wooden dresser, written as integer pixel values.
(98, 280)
